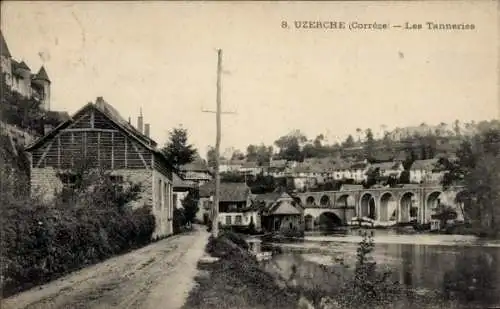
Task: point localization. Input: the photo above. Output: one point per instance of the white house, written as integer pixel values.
(423, 171)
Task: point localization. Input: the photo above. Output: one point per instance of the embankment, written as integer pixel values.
(236, 280)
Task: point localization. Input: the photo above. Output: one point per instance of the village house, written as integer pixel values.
(250, 168)
(277, 168)
(280, 213)
(100, 136)
(230, 166)
(235, 205)
(196, 173)
(423, 171)
(358, 171)
(388, 169)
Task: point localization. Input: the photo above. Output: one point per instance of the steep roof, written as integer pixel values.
(229, 191)
(42, 74)
(195, 166)
(250, 164)
(386, 165)
(424, 164)
(3, 47)
(179, 183)
(22, 65)
(109, 112)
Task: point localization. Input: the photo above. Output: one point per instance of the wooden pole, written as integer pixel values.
(215, 205)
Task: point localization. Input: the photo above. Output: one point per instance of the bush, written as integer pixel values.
(43, 242)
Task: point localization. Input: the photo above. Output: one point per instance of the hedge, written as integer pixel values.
(41, 242)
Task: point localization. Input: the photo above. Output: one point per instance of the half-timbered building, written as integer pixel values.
(100, 135)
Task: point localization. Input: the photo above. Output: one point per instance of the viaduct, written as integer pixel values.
(383, 205)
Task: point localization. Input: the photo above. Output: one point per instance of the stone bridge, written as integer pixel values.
(384, 205)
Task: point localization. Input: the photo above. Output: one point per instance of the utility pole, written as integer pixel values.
(218, 112)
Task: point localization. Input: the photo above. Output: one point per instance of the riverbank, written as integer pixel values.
(236, 280)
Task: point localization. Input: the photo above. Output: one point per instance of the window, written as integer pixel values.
(238, 220)
(228, 220)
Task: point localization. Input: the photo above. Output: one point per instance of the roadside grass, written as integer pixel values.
(236, 280)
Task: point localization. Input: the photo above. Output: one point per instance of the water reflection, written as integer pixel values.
(456, 267)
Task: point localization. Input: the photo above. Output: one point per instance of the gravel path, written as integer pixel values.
(159, 276)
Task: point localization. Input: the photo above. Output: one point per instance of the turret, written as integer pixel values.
(42, 82)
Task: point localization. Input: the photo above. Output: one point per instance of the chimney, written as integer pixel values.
(129, 120)
(146, 129)
(99, 101)
(139, 122)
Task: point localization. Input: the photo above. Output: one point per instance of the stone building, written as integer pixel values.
(19, 77)
(100, 135)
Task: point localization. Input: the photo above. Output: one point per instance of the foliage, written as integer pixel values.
(260, 154)
(20, 111)
(404, 178)
(369, 287)
(478, 167)
(41, 242)
(369, 144)
(179, 220)
(349, 142)
(190, 205)
(177, 150)
(473, 279)
(211, 157)
(238, 155)
(290, 146)
(443, 213)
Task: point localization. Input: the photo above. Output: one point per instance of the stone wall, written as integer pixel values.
(163, 204)
(45, 183)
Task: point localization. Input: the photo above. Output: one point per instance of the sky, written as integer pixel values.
(161, 57)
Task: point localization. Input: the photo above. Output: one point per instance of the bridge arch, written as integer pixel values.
(345, 200)
(310, 201)
(432, 201)
(324, 200)
(328, 220)
(387, 207)
(408, 208)
(367, 206)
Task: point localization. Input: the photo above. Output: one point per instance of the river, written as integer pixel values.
(422, 262)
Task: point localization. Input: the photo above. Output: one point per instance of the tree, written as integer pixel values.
(238, 155)
(251, 153)
(404, 178)
(478, 167)
(290, 146)
(358, 132)
(369, 144)
(177, 150)
(349, 142)
(190, 205)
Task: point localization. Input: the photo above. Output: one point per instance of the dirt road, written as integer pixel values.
(158, 276)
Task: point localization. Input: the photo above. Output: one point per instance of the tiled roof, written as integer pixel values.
(251, 164)
(229, 191)
(278, 163)
(285, 207)
(112, 114)
(21, 65)
(178, 182)
(3, 46)
(195, 166)
(424, 164)
(385, 165)
(42, 74)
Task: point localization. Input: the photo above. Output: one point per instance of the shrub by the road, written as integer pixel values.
(42, 242)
